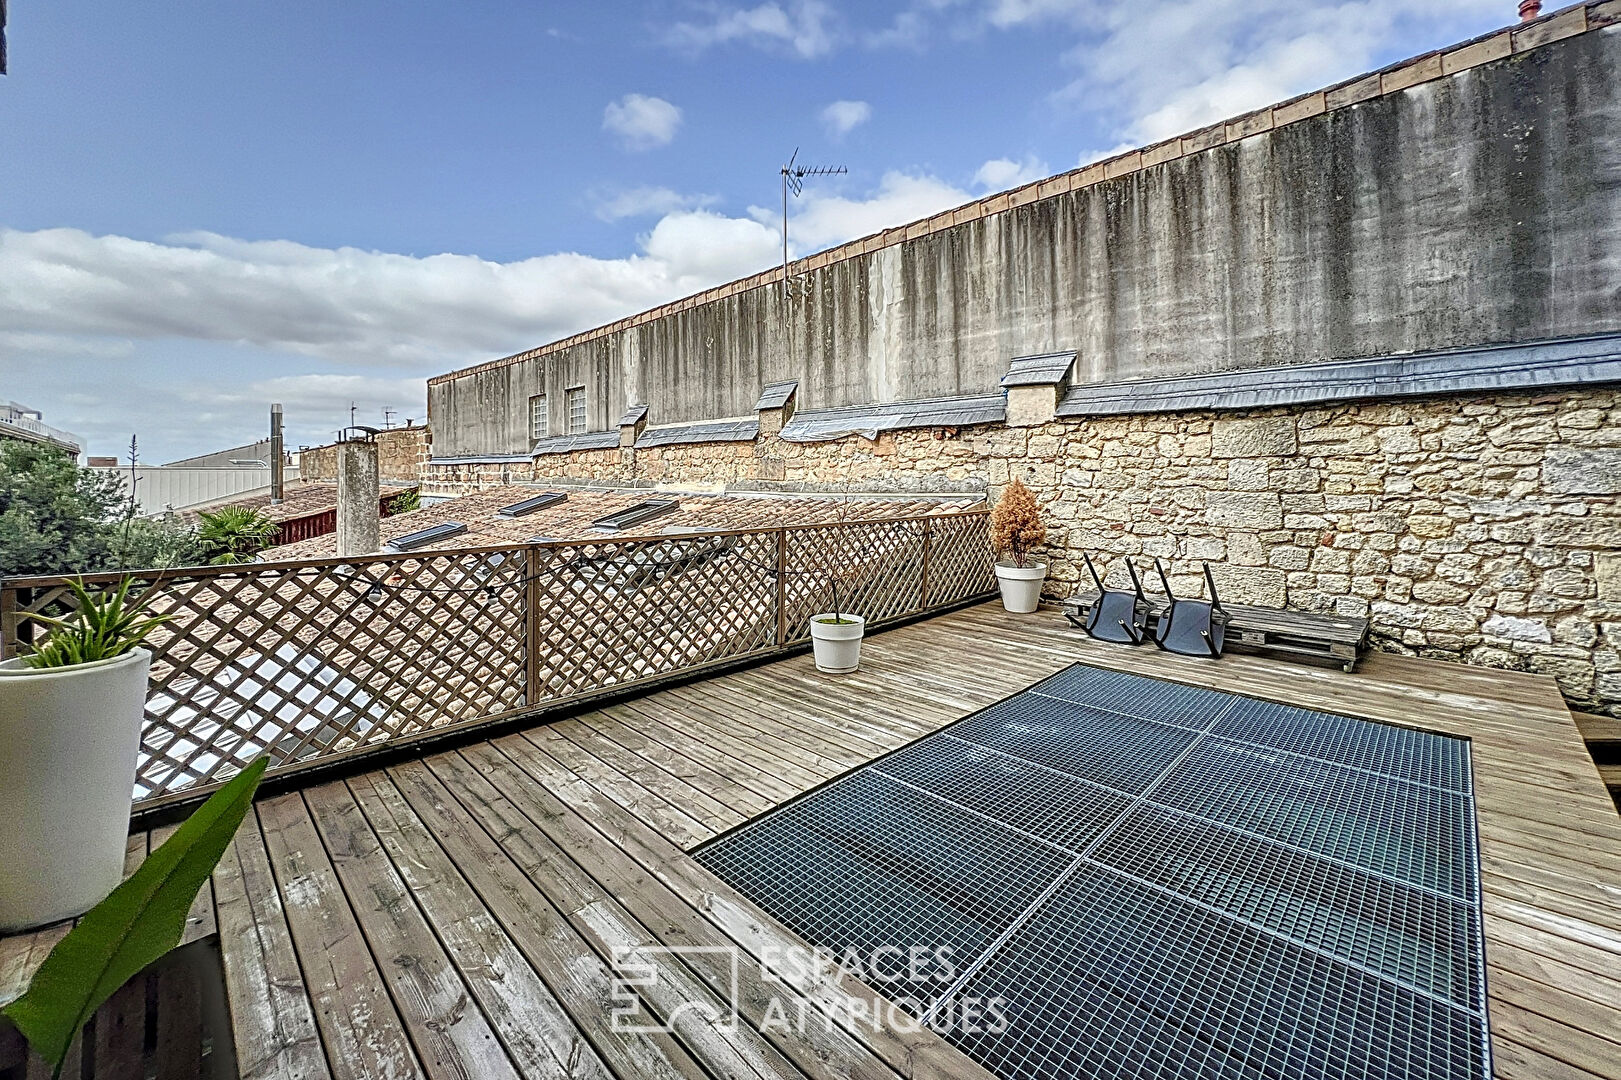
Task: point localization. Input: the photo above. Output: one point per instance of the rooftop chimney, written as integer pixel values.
(1530, 9)
(276, 456)
(358, 494)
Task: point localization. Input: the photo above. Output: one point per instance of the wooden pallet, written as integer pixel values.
(1339, 639)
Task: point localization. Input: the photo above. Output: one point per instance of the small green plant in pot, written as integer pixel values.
(70, 731)
(1016, 531)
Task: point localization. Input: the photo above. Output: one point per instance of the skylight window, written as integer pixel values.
(635, 515)
(530, 505)
(423, 537)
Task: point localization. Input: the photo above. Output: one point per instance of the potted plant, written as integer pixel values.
(1016, 530)
(836, 635)
(70, 729)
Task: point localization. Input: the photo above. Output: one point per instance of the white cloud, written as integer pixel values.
(804, 27)
(820, 220)
(642, 122)
(647, 202)
(843, 117)
(999, 174)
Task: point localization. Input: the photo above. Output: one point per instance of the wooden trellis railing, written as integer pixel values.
(310, 660)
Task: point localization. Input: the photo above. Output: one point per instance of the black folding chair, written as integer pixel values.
(1116, 616)
(1192, 627)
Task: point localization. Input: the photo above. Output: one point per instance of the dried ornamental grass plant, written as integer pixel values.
(1016, 527)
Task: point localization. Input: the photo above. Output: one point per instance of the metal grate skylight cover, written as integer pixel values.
(1138, 878)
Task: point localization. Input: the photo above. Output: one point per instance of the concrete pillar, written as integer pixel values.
(358, 494)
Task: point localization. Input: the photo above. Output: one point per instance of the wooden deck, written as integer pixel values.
(454, 916)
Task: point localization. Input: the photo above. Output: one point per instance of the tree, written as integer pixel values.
(1016, 526)
(234, 534)
(54, 516)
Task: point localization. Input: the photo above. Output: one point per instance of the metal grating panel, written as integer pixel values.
(1115, 979)
(1419, 756)
(1409, 936)
(1146, 879)
(873, 862)
(1118, 751)
(1041, 801)
(1408, 832)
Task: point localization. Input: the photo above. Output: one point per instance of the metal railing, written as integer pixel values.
(311, 660)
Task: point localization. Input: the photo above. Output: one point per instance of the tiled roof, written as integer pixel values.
(571, 520)
(300, 498)
(776, 395)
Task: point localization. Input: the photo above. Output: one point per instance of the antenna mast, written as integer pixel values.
(793, 179)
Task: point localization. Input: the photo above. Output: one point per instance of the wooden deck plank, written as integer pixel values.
(645, 804)
(822, 1052)
(537, 1031)
(450, 1032)
(669, 988)
(272, 1017)
(716, 780)
(360, 1027)
(578, 978)
(653, 776)
(715, 752)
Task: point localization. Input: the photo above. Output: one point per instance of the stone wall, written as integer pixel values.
(1485, 529)
(402, 454)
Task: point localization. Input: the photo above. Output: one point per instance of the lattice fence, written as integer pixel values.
(304, 660)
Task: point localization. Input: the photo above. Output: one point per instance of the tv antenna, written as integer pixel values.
(793, 179)
(388, 416)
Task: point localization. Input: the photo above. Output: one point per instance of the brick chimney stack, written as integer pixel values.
(1530, 9)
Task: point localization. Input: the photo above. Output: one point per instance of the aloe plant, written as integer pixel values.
(103, 625)
(136, 924)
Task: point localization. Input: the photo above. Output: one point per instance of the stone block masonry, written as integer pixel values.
(1485, 530)
(402, 453)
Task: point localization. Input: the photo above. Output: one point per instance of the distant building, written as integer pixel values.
(23, 424)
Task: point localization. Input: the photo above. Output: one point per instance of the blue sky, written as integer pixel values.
(205, 207)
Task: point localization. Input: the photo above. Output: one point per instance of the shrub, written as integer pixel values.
(1016, 527)
(405, 502)
(233, 534)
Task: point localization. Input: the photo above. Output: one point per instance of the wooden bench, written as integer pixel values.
(1336, 638)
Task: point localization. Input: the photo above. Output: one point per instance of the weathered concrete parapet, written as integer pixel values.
(1034, 385)
(776, 405)
(358, 495)
(631, 424)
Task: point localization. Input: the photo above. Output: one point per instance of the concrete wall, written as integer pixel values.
(1473, 207)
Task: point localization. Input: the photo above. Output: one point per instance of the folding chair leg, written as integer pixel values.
(1131, 632)
(1210, 644)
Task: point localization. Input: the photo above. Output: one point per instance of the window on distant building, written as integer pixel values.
(539, 423)
(574, 398)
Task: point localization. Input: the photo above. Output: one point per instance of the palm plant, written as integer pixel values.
(103, 625)
(234, 534)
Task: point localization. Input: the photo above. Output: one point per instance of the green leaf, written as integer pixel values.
(136, 924)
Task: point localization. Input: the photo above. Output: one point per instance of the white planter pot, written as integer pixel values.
(68, 742)
(837, 646)
(1021, 585)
